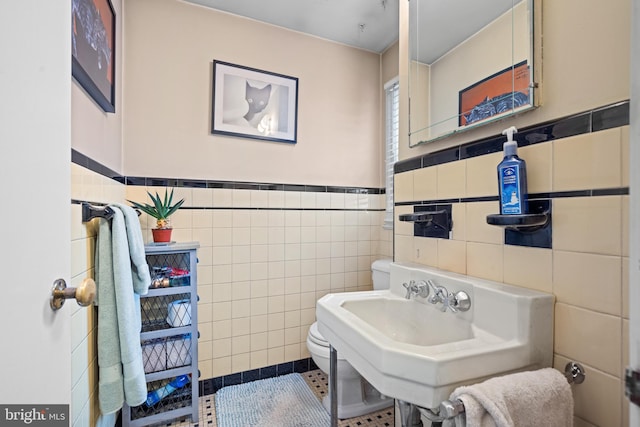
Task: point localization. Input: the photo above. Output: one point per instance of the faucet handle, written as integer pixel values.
(410, 287)
(459, 301)
(420, 289)
(449, 301)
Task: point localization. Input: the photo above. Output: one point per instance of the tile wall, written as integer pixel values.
(265, 258)
(267, 253)
(585, 174)
(86, 185)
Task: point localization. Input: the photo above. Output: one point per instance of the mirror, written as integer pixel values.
(471, 63)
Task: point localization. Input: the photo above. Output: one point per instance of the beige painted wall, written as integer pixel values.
(389, 63)
(95, 133)
(419, 88)
(585, 65)
(170, 46)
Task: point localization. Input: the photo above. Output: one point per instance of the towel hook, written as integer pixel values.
(84, 294)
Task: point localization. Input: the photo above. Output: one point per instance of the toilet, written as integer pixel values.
(355, 395)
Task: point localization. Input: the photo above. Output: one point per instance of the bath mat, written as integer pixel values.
(285, 401)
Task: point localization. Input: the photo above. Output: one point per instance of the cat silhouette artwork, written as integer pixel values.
(257, 100)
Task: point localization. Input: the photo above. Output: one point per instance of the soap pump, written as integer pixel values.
(512, 178)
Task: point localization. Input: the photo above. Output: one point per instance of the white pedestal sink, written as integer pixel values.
(412, 351)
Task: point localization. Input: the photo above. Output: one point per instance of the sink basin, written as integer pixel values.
(404, 321)
(411, 350)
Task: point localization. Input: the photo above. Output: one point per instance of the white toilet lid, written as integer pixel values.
(316, 336)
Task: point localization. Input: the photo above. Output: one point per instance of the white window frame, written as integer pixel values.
(392, 134)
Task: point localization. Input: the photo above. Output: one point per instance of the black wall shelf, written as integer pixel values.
(532, 229)
(430, 220)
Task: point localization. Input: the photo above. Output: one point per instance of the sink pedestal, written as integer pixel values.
(409, 414)
(333, 385)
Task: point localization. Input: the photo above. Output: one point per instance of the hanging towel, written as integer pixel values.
(122, 275)
(525, 399)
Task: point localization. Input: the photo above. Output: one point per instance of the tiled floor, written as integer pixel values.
(318, 383)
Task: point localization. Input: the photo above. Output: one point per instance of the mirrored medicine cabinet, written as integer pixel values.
(471, 63)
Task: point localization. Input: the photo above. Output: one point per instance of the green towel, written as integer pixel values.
(122, 275)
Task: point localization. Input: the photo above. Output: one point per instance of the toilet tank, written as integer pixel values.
(380, 272)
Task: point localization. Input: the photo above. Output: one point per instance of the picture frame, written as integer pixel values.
(252, 103)
(502, 92)
(93, 50)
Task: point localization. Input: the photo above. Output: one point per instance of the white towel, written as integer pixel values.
(122, 275)
(525, 399)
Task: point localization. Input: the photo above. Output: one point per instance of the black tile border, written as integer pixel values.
(91, 164)
(88, 163)
(610, 117)
(212, 385)
(596, 192)
(408, 165)
(607, 117)
(597, 119)
(623, 191)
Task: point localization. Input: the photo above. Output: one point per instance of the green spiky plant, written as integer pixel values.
(161, 209)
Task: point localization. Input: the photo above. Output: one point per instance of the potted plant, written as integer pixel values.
(161, 210)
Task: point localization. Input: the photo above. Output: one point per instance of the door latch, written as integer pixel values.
(632, 385)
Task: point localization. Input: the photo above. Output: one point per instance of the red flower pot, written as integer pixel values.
(161, 235)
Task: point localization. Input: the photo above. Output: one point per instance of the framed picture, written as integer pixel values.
(93, 50)
(252, 103)
(501, 92)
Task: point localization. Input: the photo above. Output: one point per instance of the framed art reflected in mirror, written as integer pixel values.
(470, 65)
(502, 92)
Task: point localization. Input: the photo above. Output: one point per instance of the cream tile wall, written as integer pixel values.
(586, 269)
(85, 186)
(265, 258)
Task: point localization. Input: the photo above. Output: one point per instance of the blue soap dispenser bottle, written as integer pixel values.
(512, 178)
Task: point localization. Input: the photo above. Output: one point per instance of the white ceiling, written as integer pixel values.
(366, 24)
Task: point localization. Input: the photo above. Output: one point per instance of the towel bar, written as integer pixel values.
(89, 212)
(573, 372)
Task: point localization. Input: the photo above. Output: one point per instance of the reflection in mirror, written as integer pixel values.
(471, 63)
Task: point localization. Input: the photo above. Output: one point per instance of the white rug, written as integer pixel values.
(284, 401)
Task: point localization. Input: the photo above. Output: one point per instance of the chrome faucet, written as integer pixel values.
(437, 294)
(440, 293)
(459, 301)
(420, 289)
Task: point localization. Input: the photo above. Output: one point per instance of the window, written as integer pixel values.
(391, 145)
